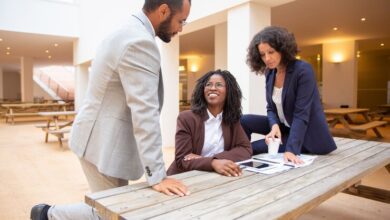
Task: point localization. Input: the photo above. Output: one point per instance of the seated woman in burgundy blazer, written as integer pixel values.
(209, 137)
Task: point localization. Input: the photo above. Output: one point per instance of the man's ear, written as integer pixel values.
(164, 11)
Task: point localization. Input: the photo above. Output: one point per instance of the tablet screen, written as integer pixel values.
(255, 164)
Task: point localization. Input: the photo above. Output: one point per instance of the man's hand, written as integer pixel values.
(226, 167)
(170, 187)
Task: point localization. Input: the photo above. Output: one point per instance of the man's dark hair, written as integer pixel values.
(174, 5)
(232, 107)
(279, 39)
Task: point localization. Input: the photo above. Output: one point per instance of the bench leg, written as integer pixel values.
(60, 141)
(378, 134)
(368, 192)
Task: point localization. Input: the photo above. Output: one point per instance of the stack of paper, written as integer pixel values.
(279, 159)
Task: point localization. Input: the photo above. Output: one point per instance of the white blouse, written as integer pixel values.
(277, 98)
(213, 137)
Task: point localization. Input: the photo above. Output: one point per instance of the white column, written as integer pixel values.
(220, 46)
(339, 74)
(170, 69)
(26, 78)
(244, 21)
(1, 84)
(81, 83)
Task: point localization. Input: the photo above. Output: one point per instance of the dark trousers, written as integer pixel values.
(259, 124)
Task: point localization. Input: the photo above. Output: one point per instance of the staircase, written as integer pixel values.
(57, 81)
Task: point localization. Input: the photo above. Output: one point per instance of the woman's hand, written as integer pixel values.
(226, 167)
(191, 156)
(274, 133)
(290, 157)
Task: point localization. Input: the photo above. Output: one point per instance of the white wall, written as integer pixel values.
(249, 19)
(1, 84)
(220, 45)
(339, 79)
(26, 77)
(97, 20)
(39, 16)
(170, 62)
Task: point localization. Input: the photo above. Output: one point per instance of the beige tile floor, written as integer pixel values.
(32, 172)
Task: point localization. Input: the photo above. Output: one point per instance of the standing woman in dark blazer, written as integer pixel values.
(294, 110)
(209, 137)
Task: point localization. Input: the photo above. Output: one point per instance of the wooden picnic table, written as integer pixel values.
(53, 126)
(342, 115)
(283, 195)
(31, 109)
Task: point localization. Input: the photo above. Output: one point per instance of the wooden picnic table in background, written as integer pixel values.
(31, 109)
(53, 126)
(342, 115)
(254, 196)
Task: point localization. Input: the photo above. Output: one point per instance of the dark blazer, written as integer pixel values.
(190, 132)
(302, 109)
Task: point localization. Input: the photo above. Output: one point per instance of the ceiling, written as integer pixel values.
(311, 21)
(34, 46)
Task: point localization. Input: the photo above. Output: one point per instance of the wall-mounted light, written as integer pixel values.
(194, 68)
(337, 58)
(297, 57)
(182, 68)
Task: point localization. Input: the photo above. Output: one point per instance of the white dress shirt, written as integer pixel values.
(277, 98)
(213, 137)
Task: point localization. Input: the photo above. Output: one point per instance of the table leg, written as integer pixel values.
(378, 134)
(47, 130)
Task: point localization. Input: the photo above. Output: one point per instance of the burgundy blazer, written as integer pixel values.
(190, 132)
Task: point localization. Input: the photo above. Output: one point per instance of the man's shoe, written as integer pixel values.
(39, 212)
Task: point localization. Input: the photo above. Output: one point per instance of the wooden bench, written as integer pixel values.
(18, 114)
(44, 126)
(380, 114)
(59, 133)
(369, 125)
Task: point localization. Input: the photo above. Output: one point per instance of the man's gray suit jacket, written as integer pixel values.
(118, 126)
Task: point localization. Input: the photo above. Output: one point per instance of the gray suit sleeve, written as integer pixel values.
(139, 69)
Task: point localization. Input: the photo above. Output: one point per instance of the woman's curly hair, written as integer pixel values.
(232, 108)
(279, 39)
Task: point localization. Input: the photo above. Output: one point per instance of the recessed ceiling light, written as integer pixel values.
(47, 51)
(382, 44)
(8, 48)
(363, 19)
(56, 45)
(335, 28)
(8, 53)
(49, 57)
(1, 39)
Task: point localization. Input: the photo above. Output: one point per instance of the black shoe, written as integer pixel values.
(39, 212)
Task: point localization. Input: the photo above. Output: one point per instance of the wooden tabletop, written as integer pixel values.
(250, 196)
(59, 113)
(345, 111)
(29, 105)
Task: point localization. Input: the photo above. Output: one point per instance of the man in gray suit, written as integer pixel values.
(116, 133)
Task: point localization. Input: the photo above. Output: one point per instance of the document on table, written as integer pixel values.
(269, 164)
(279, 159)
